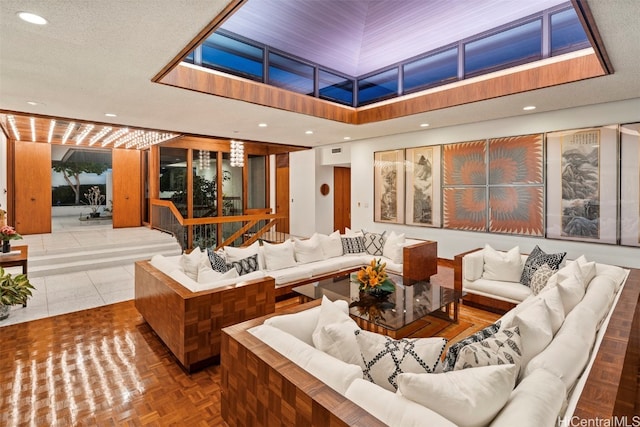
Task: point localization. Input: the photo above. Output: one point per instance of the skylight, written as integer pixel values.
(252, 44)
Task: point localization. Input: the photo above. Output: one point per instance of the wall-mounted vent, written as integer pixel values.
(336, 150)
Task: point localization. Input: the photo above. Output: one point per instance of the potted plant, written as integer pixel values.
(8, 233)
(95, 200)
(13, 290)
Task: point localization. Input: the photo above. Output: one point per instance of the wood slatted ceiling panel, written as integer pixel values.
(360, 36)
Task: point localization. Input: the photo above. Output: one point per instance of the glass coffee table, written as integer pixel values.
(418, 307)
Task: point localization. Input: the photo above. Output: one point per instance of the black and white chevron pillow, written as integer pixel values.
(502, 348)
(385, 358)
(454, 349)
(217, 262)
(245, 265)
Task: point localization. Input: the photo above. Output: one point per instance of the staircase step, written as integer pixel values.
(94, 254)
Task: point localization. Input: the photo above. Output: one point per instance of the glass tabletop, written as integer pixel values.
(396, 310)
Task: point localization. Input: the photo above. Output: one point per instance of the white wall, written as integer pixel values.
(451, 242)
(302, 180)
(323, 204)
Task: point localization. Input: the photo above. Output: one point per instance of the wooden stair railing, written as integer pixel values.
(249, 222)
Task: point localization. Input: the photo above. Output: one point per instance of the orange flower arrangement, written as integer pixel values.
(373, 278)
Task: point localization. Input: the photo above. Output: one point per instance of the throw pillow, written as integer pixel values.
(335, 334)
(540, 278)
(469, 398)
(536, 259)
(218, 263)
(385, 358)
(279, 255)
(191, 263)
(502, 266)
(331, 245)
(232, 253)
(353, 245)
(587, 268)
(454, 349)
(534, 325)
(374, 242)
(571, 291)
(351, 233)
(207, 275)
(553, 300)
(393, 247)
(500, 349)
(309, 250)
(246, 265)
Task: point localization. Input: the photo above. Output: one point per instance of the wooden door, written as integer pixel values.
(127, 188)
(282, 190)
(341, 198)
(32, 187)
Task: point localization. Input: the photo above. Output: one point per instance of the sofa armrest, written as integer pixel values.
(457, 268)
(420, 260)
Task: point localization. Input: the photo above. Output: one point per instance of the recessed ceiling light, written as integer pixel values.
(262, 125)
(346, 138)
(32, 18)
(424, 125)
(110, 115)
(33, 103)
(529, 108)
(309, 132)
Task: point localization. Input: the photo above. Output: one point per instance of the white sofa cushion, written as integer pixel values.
(309, 250)
(236, 254)
(206, 274)
(331, 245)
(190, 263)
(331, 371)
(535, 402)
(278, 256)
(616, 273)
(324, 266)
(553, 301)
(536, 331)
(507, 291)
(392, 408)
(166, 264)
(385, 358)
(335, 333)
(393, 247)
(571, 290)
(568, 353)
(599, 296)
(502, 266)
(290, 274)
(468, 398)
(302, 324)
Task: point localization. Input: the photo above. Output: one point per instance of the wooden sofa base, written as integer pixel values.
(260, 387)
(487, 303)
(190, 323)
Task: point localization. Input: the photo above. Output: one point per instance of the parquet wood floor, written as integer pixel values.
(106, 367)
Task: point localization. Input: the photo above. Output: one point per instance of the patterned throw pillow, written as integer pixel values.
(245, 265)
(536, 259)
(454, 349)
(374, 242)
(502, 348)
(353, 245)
(218, 263)
(385, 358)
(540, 278)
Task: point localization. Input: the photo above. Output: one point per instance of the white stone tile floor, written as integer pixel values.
(66, 293)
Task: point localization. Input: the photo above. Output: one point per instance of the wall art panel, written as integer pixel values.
(388, 186)
(423, 186)
(630, 184)
(516, 210)
(465, 208)
(464, 163)
(582, 184)
(516, 160)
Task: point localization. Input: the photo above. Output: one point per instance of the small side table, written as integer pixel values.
(13, 259)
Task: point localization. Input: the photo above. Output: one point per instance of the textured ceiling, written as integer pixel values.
(357, 37)
(100, 56)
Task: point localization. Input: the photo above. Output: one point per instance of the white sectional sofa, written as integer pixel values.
(186, 302)
(307, 362)
(493, 280)
(298, 261)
